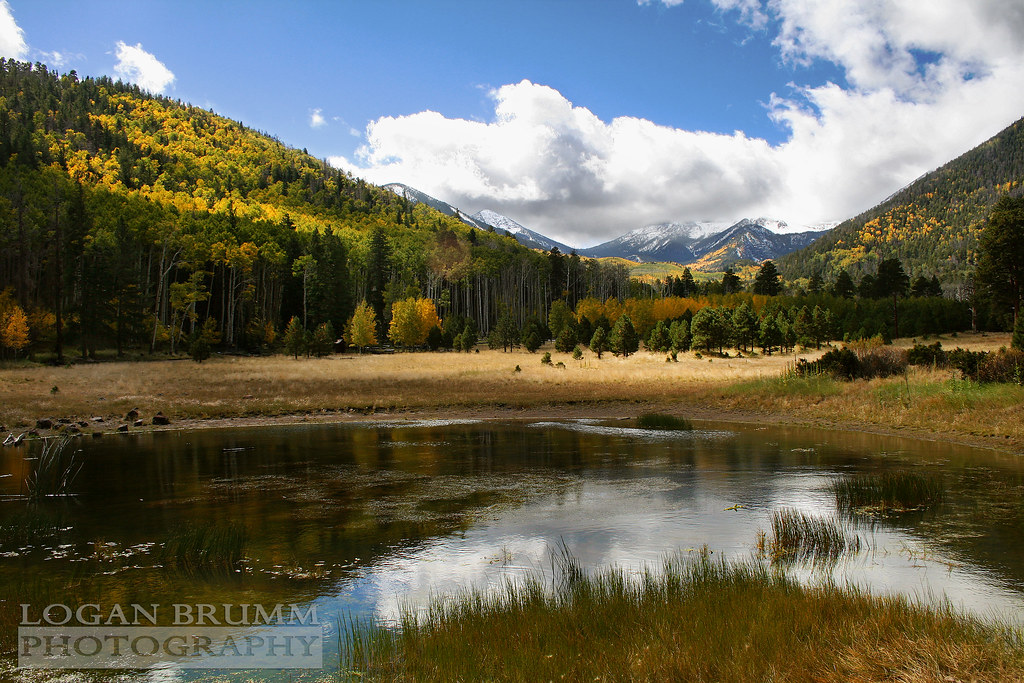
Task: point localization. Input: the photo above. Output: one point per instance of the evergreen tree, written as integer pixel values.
(803, 327)
(892, 281)
(507, 333)
(435, 337)
(815, 284)
(745, 325)
(659, 340)
(531, 335)
(702, 329)
(687, 285)
(323, 339)
(1017, 341)
(769, 334)
(378, 273)
(295, 337)
(679, 332)
(730, 282)
(843, 287)
(599, 341)
(767, 282)
(623, 339)
(469, 336)
(1001, 255)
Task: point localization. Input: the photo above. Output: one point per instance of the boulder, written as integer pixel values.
(161, 419)
(44, 423)
(122, 428)
(138, 423)
(132, 414)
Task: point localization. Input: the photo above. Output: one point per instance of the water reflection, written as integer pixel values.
(368, 518)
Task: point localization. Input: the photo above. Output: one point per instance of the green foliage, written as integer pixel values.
(659, 339)
(1001, 255)
(323, 339)
(559, 317)
(295, 337)
(932, 225)
(599, 341)
(623, 339)
(546, 358)
(566, 339)
(202, 340)
(768, 281)
(1017, 341)
(679, 333)
(532, 335)
(838, 363)
(577, 353)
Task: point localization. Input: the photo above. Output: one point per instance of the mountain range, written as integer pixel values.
(708, 245)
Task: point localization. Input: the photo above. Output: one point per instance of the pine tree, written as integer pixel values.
(623, 339)
(843, 286)
(323, 339)
(599, 342)
(767, 281)
(295, 337)
(1001, 255)
(744, 324)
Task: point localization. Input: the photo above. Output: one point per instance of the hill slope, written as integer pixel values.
(931, 225)
(133, 220)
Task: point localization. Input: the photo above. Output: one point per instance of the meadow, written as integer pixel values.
(927, 402)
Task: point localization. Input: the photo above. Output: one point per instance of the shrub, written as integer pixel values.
(882, 362)
(839, 363)
(1006, 366)
(577, 353)
(546, 358)
(967, 362)
(932, 355)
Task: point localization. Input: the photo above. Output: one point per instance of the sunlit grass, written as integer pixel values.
(699, 619)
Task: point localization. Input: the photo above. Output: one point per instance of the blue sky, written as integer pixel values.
(579, 118)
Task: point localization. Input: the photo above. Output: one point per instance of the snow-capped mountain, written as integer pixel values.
(749, 240)
(523, 235)
(417, 197)
(661, 242)
(714, 246)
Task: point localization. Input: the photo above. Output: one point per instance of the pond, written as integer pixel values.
(365, 519)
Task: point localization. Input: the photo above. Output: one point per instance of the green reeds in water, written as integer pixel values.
(204, 549)
(55, 470)
(662, 421)
(697, 619)
(798, 537)
(888, 492)
(28, 527)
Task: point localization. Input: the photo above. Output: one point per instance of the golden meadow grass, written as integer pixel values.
(756, 387)
(699, 619)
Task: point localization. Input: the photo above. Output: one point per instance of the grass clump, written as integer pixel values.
(204, 549)
(799, 537)
(888, 492)
(56, 469)
(698, 619)
(663, 421)
(28, 527)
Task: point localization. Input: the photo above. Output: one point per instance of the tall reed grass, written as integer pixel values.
(55, 469)
(799, 537)
(698, 619)
(204, 549)
(663, 421)
(888, 492)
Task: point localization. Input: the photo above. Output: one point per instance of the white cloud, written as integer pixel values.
(12, 38)
(142, 68)
(316, 118)
(558, 168)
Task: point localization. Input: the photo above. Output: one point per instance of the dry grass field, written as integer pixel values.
(931, 402)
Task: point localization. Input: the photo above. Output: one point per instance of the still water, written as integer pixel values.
(368, 519)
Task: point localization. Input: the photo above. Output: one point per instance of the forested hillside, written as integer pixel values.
(932, 225)
(128, 220)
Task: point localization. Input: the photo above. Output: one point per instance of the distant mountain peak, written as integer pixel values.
(523, 235)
